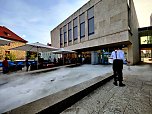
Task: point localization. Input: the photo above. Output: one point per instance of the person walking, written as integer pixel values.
(27, 64)
(5, 66)
(118, 59)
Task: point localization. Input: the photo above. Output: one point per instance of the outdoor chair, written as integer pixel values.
(12, 66)
(20, 65)
(1, 65)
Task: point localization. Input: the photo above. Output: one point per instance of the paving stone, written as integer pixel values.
(147, 86)
(94, 112)
(134, 98)
(130, 110)
(141, 108)
(77, 110)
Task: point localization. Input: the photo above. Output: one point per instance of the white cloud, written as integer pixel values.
(23, 36)
(28, 18)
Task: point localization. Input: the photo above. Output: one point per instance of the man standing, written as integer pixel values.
(118, 58)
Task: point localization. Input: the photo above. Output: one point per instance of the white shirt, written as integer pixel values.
(120, 55)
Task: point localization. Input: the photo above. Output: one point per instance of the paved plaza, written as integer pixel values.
(134, 98)
(20, 88)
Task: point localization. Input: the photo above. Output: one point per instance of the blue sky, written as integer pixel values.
(34, 19)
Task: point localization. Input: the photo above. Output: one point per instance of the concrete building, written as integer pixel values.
(99, 26)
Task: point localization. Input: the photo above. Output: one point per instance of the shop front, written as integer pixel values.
(145, 38)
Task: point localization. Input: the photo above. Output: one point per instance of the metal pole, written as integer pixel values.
(37, 58)
(63, 58)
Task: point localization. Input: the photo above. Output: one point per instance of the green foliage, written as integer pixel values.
(11, 56)
(32, 57)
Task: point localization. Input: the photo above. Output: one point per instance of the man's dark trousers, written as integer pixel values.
(117, 69)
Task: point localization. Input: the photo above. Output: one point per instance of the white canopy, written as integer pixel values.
(4, 42)
(63, 51)
(35, 47)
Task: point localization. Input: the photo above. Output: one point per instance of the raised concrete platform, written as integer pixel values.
(134, 98)
(34, 92)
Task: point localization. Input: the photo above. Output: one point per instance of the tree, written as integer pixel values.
(11, 56)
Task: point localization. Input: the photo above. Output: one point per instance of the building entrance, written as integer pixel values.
(146, 55)
(145, 37)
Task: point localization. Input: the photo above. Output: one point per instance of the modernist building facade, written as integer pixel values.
(100, 25)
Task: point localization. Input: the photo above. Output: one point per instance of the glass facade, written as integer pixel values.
(146, 40)
(91, 21)
(91, 26)
(61, 38)
(69, 32)
(145, 35)
(129, 18)
(82, 25)
(75, 29)
(65, 34)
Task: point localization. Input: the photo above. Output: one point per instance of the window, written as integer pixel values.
(82, 25)
(129, 21)
(128, 1)
(82, 30)
(61, 36)
(65, 34)
(65, 37)
(91, 26)
(91, 21)
(75, 29)
(69, 32)
(146, 40)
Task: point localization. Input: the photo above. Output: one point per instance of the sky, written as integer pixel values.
(34, 19)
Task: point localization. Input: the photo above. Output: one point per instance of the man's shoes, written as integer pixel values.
(115, 83)
(122, 85)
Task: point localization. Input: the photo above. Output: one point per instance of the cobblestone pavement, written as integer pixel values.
(134, 98)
